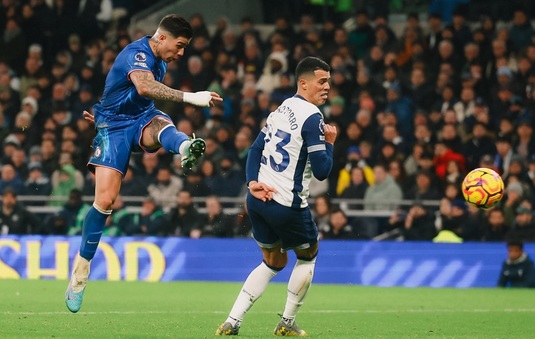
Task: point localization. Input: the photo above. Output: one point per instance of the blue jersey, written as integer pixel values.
(120, 100)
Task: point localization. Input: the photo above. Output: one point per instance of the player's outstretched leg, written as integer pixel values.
(194, 151)
(75, 291)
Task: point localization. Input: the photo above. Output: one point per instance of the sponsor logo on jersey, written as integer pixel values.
(141, 64)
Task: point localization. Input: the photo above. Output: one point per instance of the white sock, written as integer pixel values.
(80, 273)
(252, 289)
(298, 286)
(183, 146)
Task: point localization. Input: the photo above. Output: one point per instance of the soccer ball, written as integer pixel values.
(483, 188)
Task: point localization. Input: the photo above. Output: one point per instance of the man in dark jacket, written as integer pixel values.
(184, 218)
(518, 269)
(14, 218)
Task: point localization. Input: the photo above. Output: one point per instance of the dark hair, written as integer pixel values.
(338, 210)
(177, 26)
(513, 241)
(9, 191)
(309, 65)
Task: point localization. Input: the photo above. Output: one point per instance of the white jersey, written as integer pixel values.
(292, 131)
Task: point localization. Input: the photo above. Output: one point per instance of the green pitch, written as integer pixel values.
(35, 309)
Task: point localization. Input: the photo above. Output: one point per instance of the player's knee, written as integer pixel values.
(104, 202)
(276, 262)
(274, 268)
(307, 255)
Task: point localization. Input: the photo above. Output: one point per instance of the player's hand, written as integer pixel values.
(202, 99)
(330, 134)
(261, 191)
(89, 117)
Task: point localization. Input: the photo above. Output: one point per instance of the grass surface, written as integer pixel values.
(35, 309)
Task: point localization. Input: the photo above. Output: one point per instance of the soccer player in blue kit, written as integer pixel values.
(294, 144)
(127, 121)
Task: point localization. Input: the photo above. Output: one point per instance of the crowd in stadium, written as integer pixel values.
(415, 111)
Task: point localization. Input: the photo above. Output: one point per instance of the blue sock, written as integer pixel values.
(171, 139)
(94, 224)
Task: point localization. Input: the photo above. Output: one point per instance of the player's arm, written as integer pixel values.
(259, 190)
(148, 87)
(319, 139)
(254, 156)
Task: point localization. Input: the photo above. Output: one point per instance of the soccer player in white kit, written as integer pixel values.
(294, 144)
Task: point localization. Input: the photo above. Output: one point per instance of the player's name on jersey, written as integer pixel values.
(290, 115)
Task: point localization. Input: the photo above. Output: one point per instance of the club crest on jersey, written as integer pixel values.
(98, 152)
(322, 126)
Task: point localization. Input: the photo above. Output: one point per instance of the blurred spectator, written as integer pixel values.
(417, 224)
(228, 182)
(321, 211)
(15, 218)
(397, 171)
(242, 142)
(195, 183)
(504, 154)
(384, 194)
(361, 38)
(70, 217)
(216, 223)
(339, 228)
(166, 186)
(443, 155)
(149, 221)
(149, 168)
(18, 160)
(522, 31)
(478, 145)
(9, 178)
(402, 107)
(495, 228)
(453, 214)
(472, 226)
(514, 195)
(13, 43)
(524, 226)
(132, 185)
(356, 189)
(518, 269)
(182, 219)
(424, 188)
(275, 66)
(38, 182)
(64, 180)
(353, 158)
(49, 156)
(525, 144)
(454, 174)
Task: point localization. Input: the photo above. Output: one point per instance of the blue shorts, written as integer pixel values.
(116, 140)
(274, 224)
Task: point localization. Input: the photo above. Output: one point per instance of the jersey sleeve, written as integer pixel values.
(254, 157)
(138, 60)
(319, 152)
